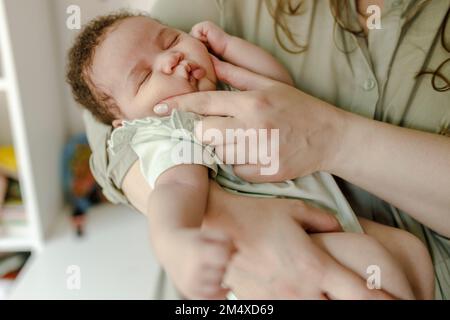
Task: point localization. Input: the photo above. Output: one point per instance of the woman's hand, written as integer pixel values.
(309, 129)
(404, 167)
(275, 256)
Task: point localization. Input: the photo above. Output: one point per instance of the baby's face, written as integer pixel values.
(141, 62)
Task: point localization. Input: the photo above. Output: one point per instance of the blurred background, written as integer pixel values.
(59, 239)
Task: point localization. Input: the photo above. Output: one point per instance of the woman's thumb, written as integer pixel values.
(238, 77)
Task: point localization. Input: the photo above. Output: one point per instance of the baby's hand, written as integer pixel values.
(202, 261)
(211, 35)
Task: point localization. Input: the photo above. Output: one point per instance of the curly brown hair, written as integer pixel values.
(80, 56)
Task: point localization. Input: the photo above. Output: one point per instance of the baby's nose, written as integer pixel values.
(170, 61)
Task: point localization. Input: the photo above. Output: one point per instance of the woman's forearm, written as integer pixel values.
(408, 168)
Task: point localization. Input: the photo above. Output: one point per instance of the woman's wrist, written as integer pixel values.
(339, 136)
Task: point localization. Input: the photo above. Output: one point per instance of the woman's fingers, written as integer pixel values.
(235, 144)
(218, 103)
(213, 129)
(238, 77)
(313, 219)
(218, 294)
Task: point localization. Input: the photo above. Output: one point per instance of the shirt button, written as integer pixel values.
(369, 84)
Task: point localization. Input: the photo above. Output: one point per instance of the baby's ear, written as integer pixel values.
(117, 123)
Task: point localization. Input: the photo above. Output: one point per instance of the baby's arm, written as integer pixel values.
(196, 260)
(240, 52)
(181, 193)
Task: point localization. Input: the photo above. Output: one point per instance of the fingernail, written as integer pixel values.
(161, 108)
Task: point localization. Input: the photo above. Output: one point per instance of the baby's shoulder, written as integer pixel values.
(151, 129)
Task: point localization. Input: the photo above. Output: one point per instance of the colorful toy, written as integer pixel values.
(80, 187)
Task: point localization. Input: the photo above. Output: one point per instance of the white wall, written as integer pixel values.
(5, 128)
(89, 9)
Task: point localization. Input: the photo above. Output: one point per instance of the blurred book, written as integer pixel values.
(13, 193)
(13, 220)
(8, 162)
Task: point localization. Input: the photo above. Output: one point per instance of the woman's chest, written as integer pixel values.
(378, 80)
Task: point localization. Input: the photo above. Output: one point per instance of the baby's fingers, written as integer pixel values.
(214, 235)
(218, 251)
(198, 34)
(217, 256)
(213, 292)
(213, 275)
(200, 31)
(210, 34)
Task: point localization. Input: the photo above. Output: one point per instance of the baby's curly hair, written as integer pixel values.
(80, 56)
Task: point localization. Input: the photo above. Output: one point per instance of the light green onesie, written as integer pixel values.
(158, 141)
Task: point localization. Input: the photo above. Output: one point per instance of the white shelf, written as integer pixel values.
(15, 239)
(31, 92)
(11, 244)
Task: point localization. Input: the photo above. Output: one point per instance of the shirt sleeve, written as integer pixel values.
(163, 143)
(109, 170)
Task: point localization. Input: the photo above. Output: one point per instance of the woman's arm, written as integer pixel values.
(410, 169)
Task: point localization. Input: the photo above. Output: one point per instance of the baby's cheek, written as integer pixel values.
(166, 86)
(143, 105)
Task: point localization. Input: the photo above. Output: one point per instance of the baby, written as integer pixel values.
(120, 67)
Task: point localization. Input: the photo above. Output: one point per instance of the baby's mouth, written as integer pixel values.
(197, 72)
(191, 72)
